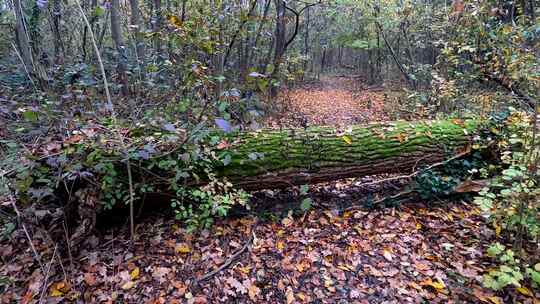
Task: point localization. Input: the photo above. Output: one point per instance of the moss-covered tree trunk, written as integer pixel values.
(281, 158)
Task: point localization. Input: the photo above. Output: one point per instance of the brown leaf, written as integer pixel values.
(90, 279)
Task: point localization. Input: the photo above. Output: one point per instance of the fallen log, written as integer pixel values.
(266, 159)
(87, 175)
(282, 158)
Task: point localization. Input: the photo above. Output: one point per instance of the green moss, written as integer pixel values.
(316, 148)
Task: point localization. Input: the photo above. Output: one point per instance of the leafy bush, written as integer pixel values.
(509, 272)
(510, 202)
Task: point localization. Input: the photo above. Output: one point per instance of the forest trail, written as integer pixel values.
(335, 100)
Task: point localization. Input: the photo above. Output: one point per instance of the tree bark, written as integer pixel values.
(282, 158)
(136, 27)
(119, 45)
(57, 41)
(158, 15)
(23, 41)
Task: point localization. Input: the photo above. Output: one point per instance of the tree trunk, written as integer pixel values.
(23, 41)
(158, 15)
(253, 48)
(119, 45)
(136, 27)
(281, 158)
(280, 35)
(57, 40)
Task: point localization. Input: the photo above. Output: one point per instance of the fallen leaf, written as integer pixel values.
(253, 292)
(90, 279)
(182, 248)
(387, 255)
(135, 273)
(160, 273)
(495, 300)
(237, 285)
(128, 285)
(289, 295)
(525, 291)
(438, 285)
(402, 137)
(59, 289)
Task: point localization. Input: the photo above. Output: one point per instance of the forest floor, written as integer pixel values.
(335, 101)
(337, 252)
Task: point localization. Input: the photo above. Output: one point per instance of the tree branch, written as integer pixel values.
(297, 21)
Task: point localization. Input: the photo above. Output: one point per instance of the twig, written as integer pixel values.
(408, 176)
(47, 274)
(415, 173)
(231, 259)
(29, 239)
(25, 68)
(397, 195)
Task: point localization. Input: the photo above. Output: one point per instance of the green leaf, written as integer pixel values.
(495, 249)
(534, 275)
(306, 204)
(505, 268)
(30, 116)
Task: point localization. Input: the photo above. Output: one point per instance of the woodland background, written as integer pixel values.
(117, 119)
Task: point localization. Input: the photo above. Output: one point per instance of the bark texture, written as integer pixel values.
(281, 158)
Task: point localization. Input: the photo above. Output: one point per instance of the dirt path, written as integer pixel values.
(334, 101)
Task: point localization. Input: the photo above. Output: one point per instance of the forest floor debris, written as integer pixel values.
(406, 255)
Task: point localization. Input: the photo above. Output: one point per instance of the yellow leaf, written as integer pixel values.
(402, 137)
(438, 285)
(245, 269)
(498, 228)
(495, 300)
(134, 273)
(59, 289)
(347, 139)
(345, 267)
(418, 226)
(280, 245)
(182, 248)
(175, 21)
(56, 293)
(525, 291)
(328, 283)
